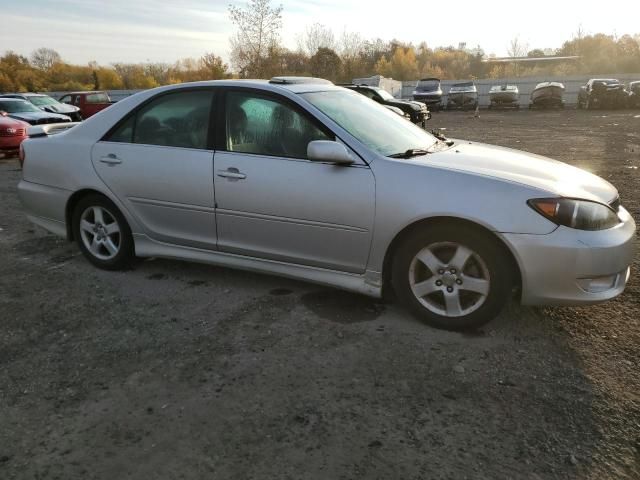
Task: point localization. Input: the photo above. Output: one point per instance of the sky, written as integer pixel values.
(110, 31)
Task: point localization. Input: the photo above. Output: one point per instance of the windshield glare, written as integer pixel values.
(385, 95)
(374, 125)
(42, 101)
(17, 106)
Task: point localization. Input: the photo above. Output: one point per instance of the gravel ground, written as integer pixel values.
(181, 371)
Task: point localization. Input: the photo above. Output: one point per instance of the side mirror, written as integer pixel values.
(329, 151)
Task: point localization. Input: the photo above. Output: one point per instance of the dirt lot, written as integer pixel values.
(175, 370)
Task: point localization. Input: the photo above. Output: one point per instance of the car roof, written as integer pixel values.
(302, 87)
(85, 92)
(430, 79)
(11, 99)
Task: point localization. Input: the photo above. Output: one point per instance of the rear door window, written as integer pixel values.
(178, 119)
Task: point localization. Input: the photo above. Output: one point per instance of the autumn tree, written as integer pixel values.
(517, 48)
(44, 58)
(258, 31)
(325, 64)
(315, 37)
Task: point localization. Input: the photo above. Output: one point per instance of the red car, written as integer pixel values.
(12, 133)
(89, 103)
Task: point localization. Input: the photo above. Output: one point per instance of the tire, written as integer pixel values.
(488, 276)
(104, 239)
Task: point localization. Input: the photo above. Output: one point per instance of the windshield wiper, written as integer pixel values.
(412, 152)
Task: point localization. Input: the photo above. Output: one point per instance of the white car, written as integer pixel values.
(298, 177)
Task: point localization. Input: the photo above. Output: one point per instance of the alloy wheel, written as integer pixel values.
(449, 279)
(100, 232)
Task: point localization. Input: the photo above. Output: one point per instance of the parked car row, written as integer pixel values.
(415, 111)
(20, 110)
(597, 93)
(608, 93)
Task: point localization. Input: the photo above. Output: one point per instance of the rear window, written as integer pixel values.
(98, 98)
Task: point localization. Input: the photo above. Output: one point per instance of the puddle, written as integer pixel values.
(342, 307)
(473, 333)
(156, 276)
(280, 291)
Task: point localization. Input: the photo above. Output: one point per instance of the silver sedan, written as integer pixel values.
(300, 178)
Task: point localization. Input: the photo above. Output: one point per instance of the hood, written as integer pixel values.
(524, 168)
(60, 108)
(411, 103)
(35, 116)
(8, 122)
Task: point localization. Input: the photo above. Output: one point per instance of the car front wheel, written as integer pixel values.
(452, 277)
(102, 233)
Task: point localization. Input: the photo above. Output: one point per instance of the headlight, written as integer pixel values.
(578, 214)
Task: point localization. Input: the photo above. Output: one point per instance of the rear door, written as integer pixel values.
(274, 203)
(159, 163)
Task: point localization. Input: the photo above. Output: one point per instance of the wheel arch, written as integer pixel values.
(433, 222)
(73, 201)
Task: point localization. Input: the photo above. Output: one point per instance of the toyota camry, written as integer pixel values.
(301, 178)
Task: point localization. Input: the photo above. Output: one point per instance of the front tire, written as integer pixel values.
(452, 277)
(102, 233)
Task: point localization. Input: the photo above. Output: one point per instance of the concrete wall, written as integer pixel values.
(525, 86)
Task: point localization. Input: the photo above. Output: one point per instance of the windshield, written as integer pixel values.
(97, 98)
(374, 125)
(17, 106)
(428, 85)
(385, 95)
(42, 101)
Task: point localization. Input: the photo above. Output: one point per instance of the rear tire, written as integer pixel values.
(102, 233)
(452, 277)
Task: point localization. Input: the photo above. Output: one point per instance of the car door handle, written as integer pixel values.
(232, 173)
(111, 159)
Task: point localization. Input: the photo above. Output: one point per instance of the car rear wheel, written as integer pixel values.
(452, 277)
(102, 233)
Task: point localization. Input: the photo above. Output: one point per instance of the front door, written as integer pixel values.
(274, 203)
(159, 163)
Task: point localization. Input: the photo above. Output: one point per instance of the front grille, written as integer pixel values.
(18, 133)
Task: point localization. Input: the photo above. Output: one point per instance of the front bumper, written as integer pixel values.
(11, 144)
(574, 267)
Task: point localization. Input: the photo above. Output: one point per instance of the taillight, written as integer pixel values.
(21, 155)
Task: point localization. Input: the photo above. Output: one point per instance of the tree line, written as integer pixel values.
(258, 52)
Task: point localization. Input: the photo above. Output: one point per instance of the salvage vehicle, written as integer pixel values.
(429, 91)
(317, 182)
(634, 95)
(27, 112)
(12, 133)
(48, 104)
(417, 111)
(397, 111)
(89, 103)
(547, 95)
(603, 93)
(501, 96)
(462, 96)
